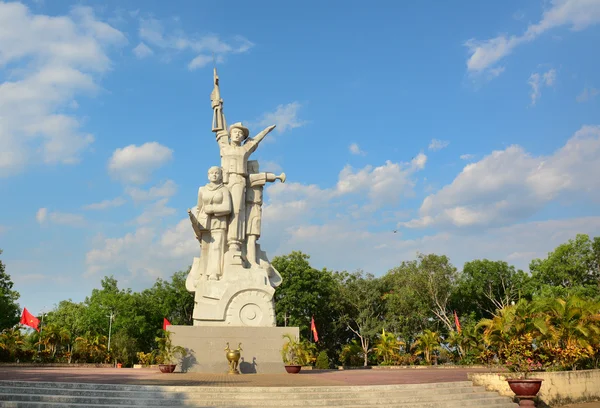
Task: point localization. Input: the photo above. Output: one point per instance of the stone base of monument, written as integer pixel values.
(261, 348)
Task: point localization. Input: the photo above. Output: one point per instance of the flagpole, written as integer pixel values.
(41, 331)
(109, 328)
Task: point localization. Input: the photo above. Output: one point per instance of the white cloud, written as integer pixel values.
(285, 117)
(346, 246)
(485, 54)
(199, 62)
(536, 81)
(105, 204)
(142, 51)
(384, 185)
(41, 215)
(494, 72)
(3, 229)
(145, 253)
(337, 233)
(467, 156)
(61, 218)
(155, 211)
(587, 94)
(578, 14)
(174, 40)
(549, 77)
(134, 164)
(164, 190)
(48, 62)
(510, 185)
(150, 250)
(355, 149)
(437, 144)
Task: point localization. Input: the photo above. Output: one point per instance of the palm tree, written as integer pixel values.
(352, 353)
(11, 341)
(93, 346)
(570, 329)
(388, 347)
(426, 343)
(510, 322)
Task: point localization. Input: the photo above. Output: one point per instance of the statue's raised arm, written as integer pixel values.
(219, 125)
(252, 142)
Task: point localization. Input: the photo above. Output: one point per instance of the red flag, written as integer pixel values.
(166, 323)
(456, 321)
(313, 328)
(29, 320)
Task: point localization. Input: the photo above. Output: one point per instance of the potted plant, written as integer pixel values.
(167, 353)
(521, 357)
(296, 353)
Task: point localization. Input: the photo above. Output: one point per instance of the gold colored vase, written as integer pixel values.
(233, 357)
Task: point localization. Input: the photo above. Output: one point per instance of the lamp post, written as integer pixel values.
(110, 318)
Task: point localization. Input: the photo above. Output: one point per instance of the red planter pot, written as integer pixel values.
(167, 368)
(525, 389)
(293, 369)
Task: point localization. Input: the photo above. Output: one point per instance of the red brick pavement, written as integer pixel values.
(305, 378)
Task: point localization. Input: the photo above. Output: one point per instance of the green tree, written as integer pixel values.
(11, 341)
(388, 348)
(427, 343)
(361, 295)
(306, 292)
(485, 286)
(70, 317)
(351, 354)
(407, 309)
(92, 347)
(573, 267)
(571, 328)
(9, 308)
(435, 282)
(123, 348)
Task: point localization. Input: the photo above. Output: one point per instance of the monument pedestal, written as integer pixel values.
(261, 348)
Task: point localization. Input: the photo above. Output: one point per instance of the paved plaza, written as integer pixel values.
(308, 378)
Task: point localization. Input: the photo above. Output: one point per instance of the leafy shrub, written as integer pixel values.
(322, 360)
(352, 354)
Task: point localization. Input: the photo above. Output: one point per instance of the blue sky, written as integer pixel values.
(472, 128)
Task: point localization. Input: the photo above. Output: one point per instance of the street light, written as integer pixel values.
(110, 318)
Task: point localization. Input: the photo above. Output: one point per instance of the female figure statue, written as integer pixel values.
(214, 207)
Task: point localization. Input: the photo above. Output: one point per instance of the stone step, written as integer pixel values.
(227, 389)
(423, 400)
(434, 395)
(59, 405)
(193, 392)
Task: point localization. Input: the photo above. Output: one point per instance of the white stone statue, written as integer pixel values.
(212, 212)
(233, 279)
(234, 160)
(254, 201)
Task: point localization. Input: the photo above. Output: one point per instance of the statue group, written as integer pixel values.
(233, 279)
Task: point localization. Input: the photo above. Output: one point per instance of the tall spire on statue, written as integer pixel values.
(218, 122)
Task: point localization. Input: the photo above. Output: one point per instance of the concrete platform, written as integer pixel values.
(205, 346)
